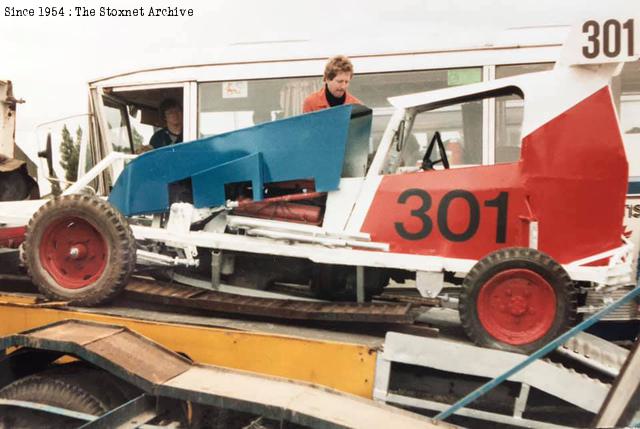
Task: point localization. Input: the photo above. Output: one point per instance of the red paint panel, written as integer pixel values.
(572, 178)
(576, 172)
(479, 184)
(12, 236)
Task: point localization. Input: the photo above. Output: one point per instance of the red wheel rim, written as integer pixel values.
(517, 306)
(73, 252)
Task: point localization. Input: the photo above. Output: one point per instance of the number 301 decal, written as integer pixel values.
(500, 203)
(607, 39)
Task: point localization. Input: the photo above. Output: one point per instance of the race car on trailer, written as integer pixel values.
(299, 200)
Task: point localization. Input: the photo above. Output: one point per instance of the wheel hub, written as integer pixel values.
(517, 306)
(73, 252)
(78, 251)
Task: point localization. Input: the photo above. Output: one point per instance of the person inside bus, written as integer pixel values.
(337, 76)
(171, 115)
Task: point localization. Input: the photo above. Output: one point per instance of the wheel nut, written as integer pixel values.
(78, 251)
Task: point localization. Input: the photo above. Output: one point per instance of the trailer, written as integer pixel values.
(137, 349)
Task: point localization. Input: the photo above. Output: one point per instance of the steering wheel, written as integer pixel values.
(427, 164)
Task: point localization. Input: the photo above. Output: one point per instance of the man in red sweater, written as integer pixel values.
(337, 75)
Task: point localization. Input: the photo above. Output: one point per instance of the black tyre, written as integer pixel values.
(99, 384)
(51, 391)
(79, 248)
(517, 299)
(75, 386)
(17, 185)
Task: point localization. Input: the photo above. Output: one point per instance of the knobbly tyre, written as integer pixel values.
(299, 200)
(15, 180)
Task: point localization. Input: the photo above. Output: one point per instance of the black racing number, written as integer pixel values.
(609, 40)
(592, 29)
(500, 203)
(420, 213)
(611, 25)
(629, 27)
(474, 215)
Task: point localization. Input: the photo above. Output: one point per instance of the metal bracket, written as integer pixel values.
(134, 413)
(533, 234)
(521, 401)
(216, 268)
(180, 218)
(429, 283)
(381, 379)
(151, 258)
(360, 283)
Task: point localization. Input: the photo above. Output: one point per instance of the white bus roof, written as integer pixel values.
(293, 58)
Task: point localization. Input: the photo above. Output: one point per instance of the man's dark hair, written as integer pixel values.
(168, 103)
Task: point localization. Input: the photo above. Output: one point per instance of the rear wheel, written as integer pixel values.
(74, 387)
(517, 299)
(80, 249)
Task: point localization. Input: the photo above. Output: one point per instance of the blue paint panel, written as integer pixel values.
(245, 169)
(634, 185)
(300, 147)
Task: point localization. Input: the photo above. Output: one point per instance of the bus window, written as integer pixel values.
(228, 106)
(460, 128)
(509, 114)
(117, 131)
(142, 109)
(627, 95)
(374, 89)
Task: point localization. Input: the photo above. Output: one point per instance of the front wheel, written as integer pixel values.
(80, 249)
(517, 299)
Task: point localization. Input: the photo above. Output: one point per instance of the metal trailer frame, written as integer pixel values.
(357, 366)
(588, 394)
(341, 361)
(621, 406)
(163, 374)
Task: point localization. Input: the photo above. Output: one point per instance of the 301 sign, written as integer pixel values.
(608, 38)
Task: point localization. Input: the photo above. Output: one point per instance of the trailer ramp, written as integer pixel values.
(161, 373)
(456, 358)
(178, 295)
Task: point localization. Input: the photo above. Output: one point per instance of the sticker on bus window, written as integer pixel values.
(236, 89)
(457, 77)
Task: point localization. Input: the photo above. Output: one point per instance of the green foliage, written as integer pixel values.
(138, 141)
(70, 153)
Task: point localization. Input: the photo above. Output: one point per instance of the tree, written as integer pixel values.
(70, 153)
(138, 140)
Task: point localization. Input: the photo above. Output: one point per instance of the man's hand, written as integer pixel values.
(143, 149)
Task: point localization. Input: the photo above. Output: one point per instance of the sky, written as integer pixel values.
(51, 59)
